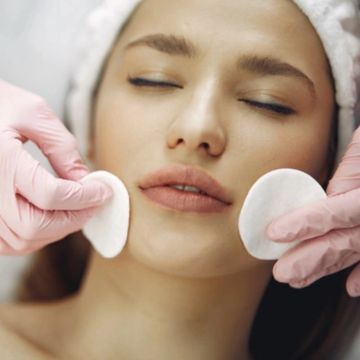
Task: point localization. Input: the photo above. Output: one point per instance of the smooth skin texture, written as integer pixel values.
(184, 287)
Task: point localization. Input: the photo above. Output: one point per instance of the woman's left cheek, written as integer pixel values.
(306, 154)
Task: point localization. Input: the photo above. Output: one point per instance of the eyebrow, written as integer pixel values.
(179, 45)
(169, 44)
(272, 66)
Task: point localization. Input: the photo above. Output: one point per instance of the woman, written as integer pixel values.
(230, 92)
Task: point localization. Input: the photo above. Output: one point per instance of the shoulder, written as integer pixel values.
(18, 336)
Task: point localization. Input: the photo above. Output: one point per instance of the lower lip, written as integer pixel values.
(184, 200)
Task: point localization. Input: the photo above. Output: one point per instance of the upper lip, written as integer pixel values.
(185, 175)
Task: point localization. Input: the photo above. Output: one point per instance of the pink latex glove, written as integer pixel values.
(37, 208)
(331, 228)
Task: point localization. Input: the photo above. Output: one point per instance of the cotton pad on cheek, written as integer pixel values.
(107, 230)
(274, 194)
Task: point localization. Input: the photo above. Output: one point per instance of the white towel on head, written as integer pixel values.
(102, 28)
(337, 23)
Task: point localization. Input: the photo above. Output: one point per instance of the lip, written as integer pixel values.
(156, 186)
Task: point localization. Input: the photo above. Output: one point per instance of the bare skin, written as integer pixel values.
(184, 287)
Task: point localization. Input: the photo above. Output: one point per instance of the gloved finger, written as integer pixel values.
(56, 142)
(33, 224)
(29, 249)
(9, 240)
(318, 257)
(11, 244)
(348, 260)
(353, 282)
(347, 175)
(47, 192)
(317, 218)
(40, 244)
(6, 250)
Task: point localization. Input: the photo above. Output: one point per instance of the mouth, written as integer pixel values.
(185, 189)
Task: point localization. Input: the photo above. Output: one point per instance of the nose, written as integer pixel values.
(197, 126)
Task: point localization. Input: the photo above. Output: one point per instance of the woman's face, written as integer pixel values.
(249, 92)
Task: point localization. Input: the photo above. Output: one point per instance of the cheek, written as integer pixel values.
(258, 149)
(302, 145)
(184, 246)
(307, 149)
(122, 133)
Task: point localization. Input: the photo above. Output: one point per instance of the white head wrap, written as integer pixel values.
(337, 23)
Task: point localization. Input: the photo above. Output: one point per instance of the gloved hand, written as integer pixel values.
(37, 208)
(330, 228)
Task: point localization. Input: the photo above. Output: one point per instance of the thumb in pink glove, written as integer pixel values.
(35, 207)
(330, 230)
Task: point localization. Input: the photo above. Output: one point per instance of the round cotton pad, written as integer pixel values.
(107, 230)
(273, 195)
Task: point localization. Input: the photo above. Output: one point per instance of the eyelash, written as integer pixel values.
(145, 82)
(273, 107)
(276, 108)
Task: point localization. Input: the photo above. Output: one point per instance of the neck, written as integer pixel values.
(126, 304)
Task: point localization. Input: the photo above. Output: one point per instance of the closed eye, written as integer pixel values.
(273, 107)
(150, 83)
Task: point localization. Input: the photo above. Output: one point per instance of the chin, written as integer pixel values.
(181, 244)
(185, 255)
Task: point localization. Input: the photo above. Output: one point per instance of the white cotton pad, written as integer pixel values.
(273, 195)
(107, 230)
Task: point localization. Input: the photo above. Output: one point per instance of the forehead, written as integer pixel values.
(267, 28)
(222, 19)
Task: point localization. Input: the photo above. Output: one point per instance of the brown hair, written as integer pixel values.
(317, 322)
